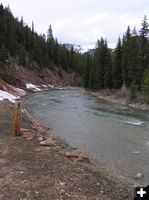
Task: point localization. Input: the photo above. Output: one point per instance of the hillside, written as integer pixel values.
(27, 57)
(18, 75)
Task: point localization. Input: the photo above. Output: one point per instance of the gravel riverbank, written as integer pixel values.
(30, 171)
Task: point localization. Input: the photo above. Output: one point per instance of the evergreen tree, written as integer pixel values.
(133, 90)
(87, 72)
(100, 62)
(50, 33)
(143, 51)
(145, 28)
(108, 69)
(103, 63)
(145, 84)
(117, 66)
(126, 59)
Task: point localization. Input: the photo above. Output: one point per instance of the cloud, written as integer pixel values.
(87, 31)
(81, 22)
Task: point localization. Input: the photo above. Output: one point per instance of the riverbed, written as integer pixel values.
(116, 136)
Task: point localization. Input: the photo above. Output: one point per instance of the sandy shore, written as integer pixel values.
(30, 171)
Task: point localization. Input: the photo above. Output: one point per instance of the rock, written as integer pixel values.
(48, 142)
(34, 128)
(76, 156)
(138, 175)
(40, 139)
(62, 191)
(23, 130)
(98, 184)
(62, 184)
(27, 135)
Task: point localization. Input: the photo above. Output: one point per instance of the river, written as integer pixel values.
(117, 137)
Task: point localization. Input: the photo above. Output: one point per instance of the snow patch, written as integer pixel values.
(45, 86)
(51, 86)
(6, 95)
(32, 87)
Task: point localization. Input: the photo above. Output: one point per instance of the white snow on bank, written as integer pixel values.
(45, 86)
(51, 86)
(32, 87)
(6, 95)
(37, 88)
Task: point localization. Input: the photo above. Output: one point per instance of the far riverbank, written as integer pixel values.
(117, 98)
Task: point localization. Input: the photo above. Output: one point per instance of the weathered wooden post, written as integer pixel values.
(16, 119)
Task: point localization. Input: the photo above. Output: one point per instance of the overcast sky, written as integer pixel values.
(81, 21)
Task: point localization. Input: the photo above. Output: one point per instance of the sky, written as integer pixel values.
(81, 21)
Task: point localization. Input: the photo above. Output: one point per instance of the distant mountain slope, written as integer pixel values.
(76, 48)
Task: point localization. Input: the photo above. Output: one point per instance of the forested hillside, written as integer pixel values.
(127, 64)
(34, 51)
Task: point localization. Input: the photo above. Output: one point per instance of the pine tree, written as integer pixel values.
(100, 62)
(134, 45)
(103, 63)
(143, 52)
(145, 84)
(133, 90)
(126, 57)
(108, 68)
(87, 72)
(145, 28)
(117, 66)
(50, 33)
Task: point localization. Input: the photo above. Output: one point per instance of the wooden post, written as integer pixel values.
(16, 119)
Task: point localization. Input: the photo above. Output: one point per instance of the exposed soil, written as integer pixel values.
(33, 172)
(17, 75)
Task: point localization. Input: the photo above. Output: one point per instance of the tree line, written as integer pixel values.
(31, 49)
(127, 64)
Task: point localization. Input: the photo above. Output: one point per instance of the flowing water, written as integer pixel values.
(116, 136)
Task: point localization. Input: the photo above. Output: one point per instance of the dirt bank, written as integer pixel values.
(119, 97)
(17, 75)
(31, 172)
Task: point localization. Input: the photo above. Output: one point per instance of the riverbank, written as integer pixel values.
(118, 97)
(31, 171)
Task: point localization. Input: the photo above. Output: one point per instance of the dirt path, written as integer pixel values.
(29, 171)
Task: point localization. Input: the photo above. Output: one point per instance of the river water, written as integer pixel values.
(116, 136)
